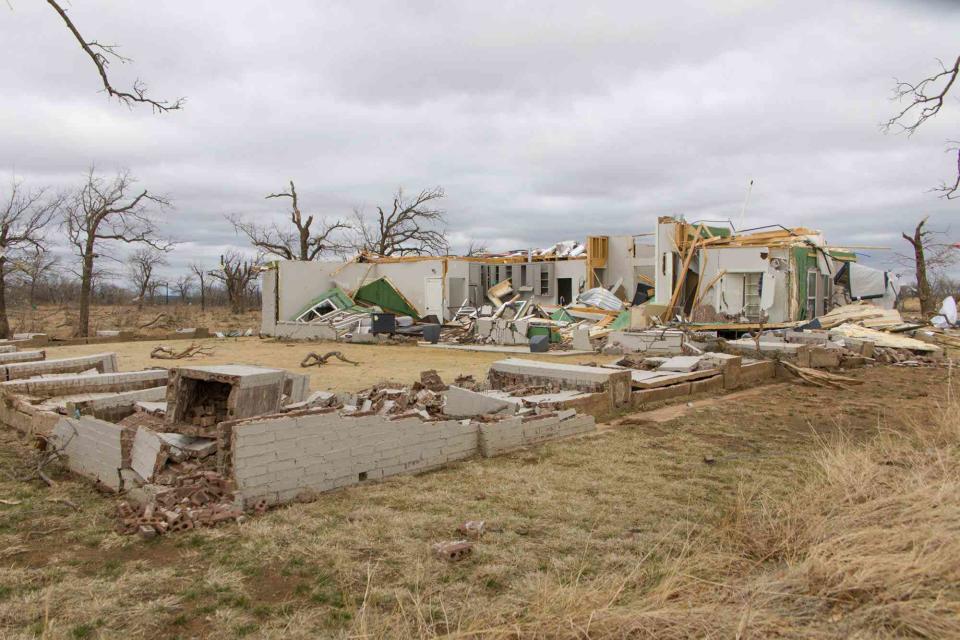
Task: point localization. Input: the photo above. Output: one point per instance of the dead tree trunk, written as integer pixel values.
(920, 264)
(86, 288)
(4, 322)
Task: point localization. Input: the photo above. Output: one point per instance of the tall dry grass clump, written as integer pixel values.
(867, 545)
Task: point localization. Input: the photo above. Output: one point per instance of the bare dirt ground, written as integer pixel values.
(588, 524)
(398, 363)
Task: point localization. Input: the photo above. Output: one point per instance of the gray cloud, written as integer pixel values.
(543, 121)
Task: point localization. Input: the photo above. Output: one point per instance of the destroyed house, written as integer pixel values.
(320, 299)
(711, 275)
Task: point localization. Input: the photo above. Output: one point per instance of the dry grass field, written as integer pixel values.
(61, 321)
(784, 511)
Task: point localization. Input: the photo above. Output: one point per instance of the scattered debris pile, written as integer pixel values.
(201, 499)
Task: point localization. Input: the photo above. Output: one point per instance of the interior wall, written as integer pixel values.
(726, 296)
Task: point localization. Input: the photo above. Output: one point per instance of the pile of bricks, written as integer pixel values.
(202, 499)
(209, 413)
(405, 402)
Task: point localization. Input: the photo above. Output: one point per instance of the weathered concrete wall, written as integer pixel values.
(565, 376)
(500, 437)
(70, 385)
(92, 447)
(268, 295)
(22, 356)
(17, 412)
(102, 362)
(275, 459)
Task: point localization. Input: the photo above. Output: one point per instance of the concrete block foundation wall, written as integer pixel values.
(102, 362)
(18, 413)
(616, 384)
(92, 447)
(497, 438)
(70, 385)
(7, 357)
(276, 459)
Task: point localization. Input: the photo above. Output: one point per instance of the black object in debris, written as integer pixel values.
(643, 293)
(431, 333)
(384, 323)
(431, 319)
(539, 344)
(813, 324)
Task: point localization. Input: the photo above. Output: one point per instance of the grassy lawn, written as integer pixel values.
(575, 530)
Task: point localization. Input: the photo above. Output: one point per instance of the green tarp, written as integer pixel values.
(717, 232)
(622, 322)
(382, 293)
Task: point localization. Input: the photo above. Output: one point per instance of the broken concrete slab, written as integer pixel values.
(464, 402)
(513, 371)
(91, 447)
(681, 364)
(654, 341)
(148, 455)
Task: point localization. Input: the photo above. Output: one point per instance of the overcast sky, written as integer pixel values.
(542, 120)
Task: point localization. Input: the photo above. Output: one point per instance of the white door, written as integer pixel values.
(433, 297)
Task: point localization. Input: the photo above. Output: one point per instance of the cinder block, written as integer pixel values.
(707, 385)
(647, 396)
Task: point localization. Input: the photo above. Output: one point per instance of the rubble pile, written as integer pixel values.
(201, 499)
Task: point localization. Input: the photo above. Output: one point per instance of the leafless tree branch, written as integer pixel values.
(104, 211)
(413, 227)
(303, 242)
(925, 99)
(101, 55)
(141, 265)
(24, 218)
(236, 274)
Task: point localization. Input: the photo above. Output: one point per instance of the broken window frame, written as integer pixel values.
(318, 316)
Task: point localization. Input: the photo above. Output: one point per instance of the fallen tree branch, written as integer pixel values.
(161, 352)
(315, 360)
(154, 321)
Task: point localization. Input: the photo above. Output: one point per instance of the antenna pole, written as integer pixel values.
(743, 211)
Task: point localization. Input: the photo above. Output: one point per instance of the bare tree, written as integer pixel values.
(34, 269)
(184, 284)
(476, 248)
(23, 218)
(925, 98)
(929, 256)
(101, 55)
(236, 274)
(103, 211)
(201, 274)
(141, 267)
(303, 242)
(413, 226)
